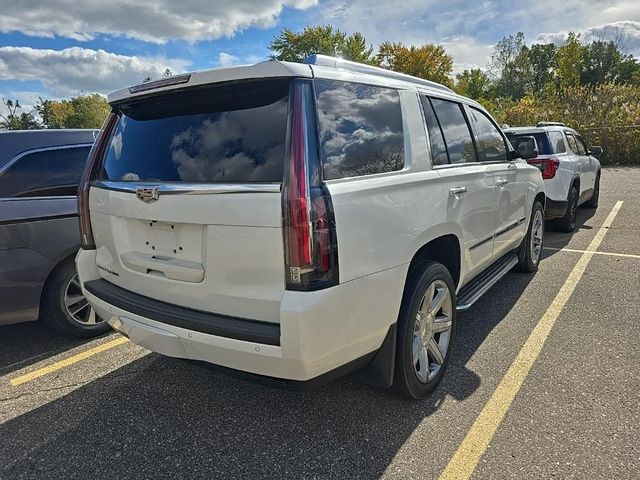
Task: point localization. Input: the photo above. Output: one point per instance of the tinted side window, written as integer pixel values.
(455, 130)
(573, 145)
(439, 155)
(582, 148)
(45, 173)
(491, 144)
(360, 129)
(557, 142)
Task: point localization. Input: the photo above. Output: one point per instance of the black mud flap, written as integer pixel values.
(379, 372)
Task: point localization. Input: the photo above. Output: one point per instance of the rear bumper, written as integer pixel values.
(321, 334)
(555, 208)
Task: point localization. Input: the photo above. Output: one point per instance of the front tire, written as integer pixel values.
(530, 249)
(64, 308)
(426, 330)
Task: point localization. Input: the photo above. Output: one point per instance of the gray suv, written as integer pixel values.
(39, 234)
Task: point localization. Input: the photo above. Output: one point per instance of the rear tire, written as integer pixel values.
(426, 330)
(567, 223)
(530, 249)
(63, 307)
(595, 198)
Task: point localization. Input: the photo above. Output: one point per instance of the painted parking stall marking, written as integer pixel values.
(468, 454)
(83, 355)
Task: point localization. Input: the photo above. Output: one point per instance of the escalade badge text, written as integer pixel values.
(148, 194)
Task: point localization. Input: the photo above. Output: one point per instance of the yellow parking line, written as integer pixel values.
(468, 454)
(627, 255)
(27, 377)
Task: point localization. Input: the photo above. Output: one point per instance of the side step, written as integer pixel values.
(473, 290)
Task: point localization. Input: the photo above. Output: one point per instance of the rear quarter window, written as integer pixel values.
(224, 133)
(51, 172)
(360, 129)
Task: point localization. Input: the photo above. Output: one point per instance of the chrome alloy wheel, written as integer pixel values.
(432, 331)
(537, 233)
(76, 305)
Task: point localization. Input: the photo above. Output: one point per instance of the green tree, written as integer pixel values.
(511, 66)
(569, 58)
(83, 111)
(543, 61)
(603, 62)
(15, 120)
(474, 84)
(295, 47)
(428, 61)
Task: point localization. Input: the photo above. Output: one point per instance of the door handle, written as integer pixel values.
(501, 182)
(512, 165)
(457, 191)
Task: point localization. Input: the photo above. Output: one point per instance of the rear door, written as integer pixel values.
(471, 203)
(509, 185)
(187, 208)
(582, 159)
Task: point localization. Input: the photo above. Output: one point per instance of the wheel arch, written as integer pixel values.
(445, 249)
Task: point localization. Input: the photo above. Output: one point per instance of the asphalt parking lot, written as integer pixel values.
(108, 409)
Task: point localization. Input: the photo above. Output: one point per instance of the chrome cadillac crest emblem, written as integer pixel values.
(148, 194)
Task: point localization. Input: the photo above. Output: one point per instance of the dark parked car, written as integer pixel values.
(39, 234)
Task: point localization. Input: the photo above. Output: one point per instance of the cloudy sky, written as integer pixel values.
(59, 48)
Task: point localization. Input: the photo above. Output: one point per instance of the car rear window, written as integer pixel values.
(544, 147)
(226, 133)
(360, 129)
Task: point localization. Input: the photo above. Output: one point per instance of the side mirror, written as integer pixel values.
(527, 147)
(595, 151)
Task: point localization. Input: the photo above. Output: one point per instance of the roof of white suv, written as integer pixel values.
(315, 66)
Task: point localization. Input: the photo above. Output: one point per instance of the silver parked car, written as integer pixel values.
(39, 234)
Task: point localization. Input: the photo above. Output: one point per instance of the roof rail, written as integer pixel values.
(335, 62)
(550, 124)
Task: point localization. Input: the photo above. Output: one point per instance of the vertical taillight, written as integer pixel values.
(90, 171)
(548, 166)
(311, 253)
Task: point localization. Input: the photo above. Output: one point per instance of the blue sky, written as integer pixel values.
(60, 48)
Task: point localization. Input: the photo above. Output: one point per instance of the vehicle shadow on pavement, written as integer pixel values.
(559, 240)
(164, 418)
(24, 344)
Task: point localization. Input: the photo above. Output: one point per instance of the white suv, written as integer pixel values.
(570, 171)
(301, 221)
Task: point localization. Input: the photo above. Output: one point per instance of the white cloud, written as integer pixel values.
(467, 52)
(626, 33)
(72, 70)
(227, 60)
(150, 20)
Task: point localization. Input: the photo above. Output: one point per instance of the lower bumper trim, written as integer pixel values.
(210, 323)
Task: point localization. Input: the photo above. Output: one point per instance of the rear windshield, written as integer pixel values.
(544, 147)
(228, 133)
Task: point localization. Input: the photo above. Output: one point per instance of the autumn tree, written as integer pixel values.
(292, 46)
(83, 111)
(569, 59)
(428, 61)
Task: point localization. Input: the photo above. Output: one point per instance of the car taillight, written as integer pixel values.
(311, 252)
(90, 171)
(548, 166)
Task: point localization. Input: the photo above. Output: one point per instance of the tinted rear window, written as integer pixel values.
(226, 133)
(544, 147)
(360, 129)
